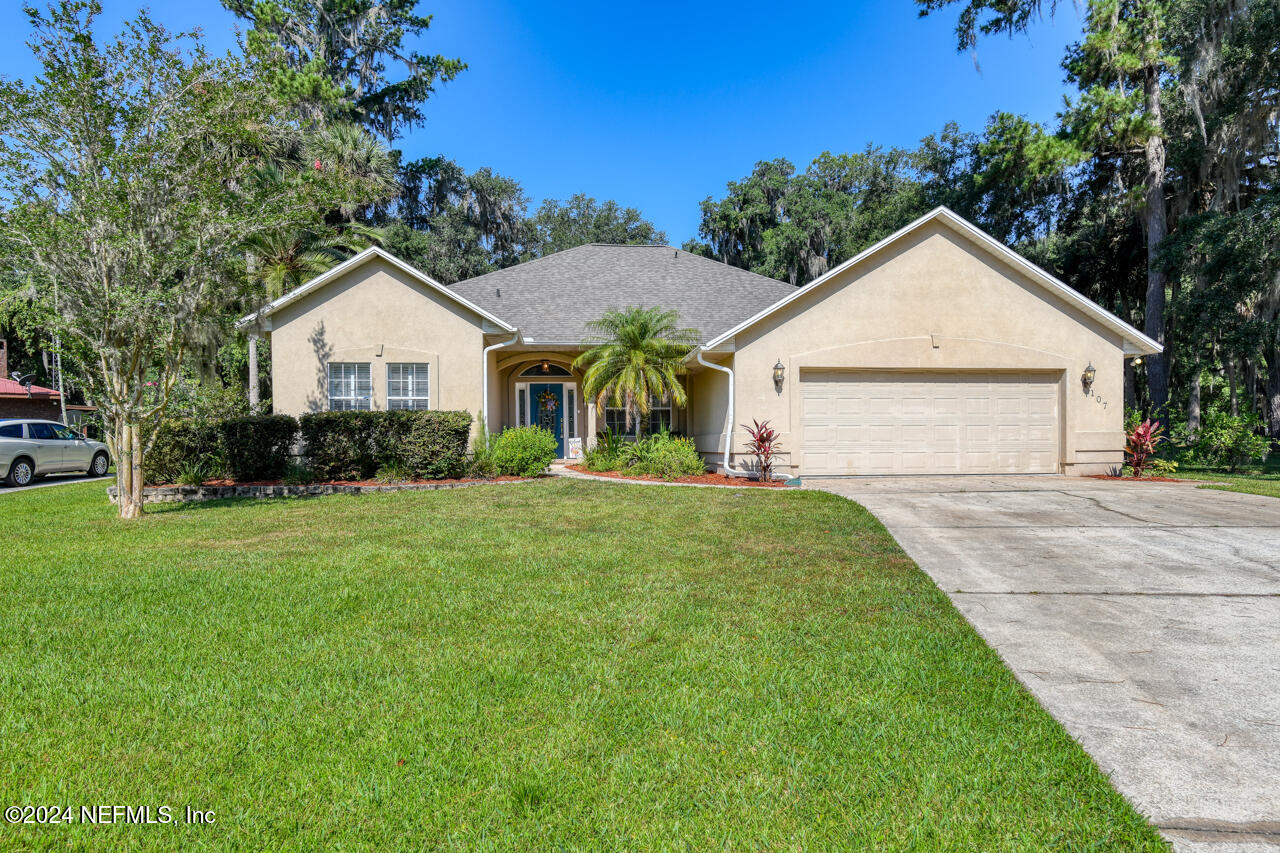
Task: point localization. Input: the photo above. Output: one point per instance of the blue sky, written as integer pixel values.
(659, 105)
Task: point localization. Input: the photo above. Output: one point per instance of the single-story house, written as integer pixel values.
(936, 351)
(18, 400)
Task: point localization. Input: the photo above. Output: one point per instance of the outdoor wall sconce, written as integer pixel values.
(1086, 378)
(779, 375)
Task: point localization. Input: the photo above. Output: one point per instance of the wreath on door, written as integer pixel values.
(548, 401)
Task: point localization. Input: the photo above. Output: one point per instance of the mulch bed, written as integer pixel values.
(226, 482)
(1138, 479)
(699, 479)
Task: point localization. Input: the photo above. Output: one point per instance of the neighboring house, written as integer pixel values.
(936, 351)
(19, 401)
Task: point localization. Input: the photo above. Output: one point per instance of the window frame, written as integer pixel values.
(413, 398)
(619, 416)
(355, 386)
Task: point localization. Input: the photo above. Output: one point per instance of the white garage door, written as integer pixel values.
(928, 423)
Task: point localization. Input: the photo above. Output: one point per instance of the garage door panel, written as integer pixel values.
(920, 423)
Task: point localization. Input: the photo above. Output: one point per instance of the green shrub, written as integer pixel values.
(393, 472)
(606, 453)
(430, 445)
(178, 444)
(600, 459)
(523, 451)
(1161, 467)
(296, 474)
(1225, 441)
(207, 401)
(481, 463)
(193, 472)
(257, 447)
(663, 455)
(341, 445)
(354, 445)
(611, 442)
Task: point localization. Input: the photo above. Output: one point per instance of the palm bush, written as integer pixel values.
(659, 455)
(638, 357)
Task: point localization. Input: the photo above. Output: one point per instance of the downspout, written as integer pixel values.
(484, 358)
(728, 431)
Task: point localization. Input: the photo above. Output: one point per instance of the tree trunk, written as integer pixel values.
(1273, 389)
(253, 372)
(1231, 386)
(1193, 402)
(129, 470)
(1157, 227)
(1249, 387)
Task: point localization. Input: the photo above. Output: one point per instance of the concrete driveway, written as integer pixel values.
(1144, 617)
(52, 480)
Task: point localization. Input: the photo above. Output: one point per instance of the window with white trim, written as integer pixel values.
(408, 386)
(350, 386)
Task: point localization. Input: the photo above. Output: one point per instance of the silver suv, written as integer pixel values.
(33, 448)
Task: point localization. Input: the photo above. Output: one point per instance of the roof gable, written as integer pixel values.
(350, 264)
(1135, 341)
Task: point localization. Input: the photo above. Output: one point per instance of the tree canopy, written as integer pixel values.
(336, 54)
(133, 171)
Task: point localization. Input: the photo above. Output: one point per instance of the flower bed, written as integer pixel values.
(698, 479)
(219, 489)
(1137, 479)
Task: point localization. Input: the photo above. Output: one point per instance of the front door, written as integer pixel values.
(548, 410)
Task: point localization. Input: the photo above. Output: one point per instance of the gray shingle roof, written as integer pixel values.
(551, 299)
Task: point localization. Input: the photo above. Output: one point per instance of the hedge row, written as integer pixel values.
(245, 449)
(354, 445)
(338, 446)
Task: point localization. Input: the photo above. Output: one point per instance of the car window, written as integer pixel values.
(41, 431)
(64, 433)
(10, 430)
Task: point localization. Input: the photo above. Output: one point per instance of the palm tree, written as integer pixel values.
(354, 156)
(280, 261)
(283, 260)
(638, 357)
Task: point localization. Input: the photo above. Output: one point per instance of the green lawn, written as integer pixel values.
(561, 665)
(1250, 483)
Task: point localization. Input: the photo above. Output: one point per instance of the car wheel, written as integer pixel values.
(21, 473)
(100, 465)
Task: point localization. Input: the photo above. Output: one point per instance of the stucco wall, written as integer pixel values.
(936, 302)
(708, 407)
(375, 314)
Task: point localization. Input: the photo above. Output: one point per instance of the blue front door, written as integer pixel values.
(548, 410)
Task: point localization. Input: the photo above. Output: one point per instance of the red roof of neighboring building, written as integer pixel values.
(11, 388)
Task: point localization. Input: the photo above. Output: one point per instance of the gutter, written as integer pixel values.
(728, 432)
(484, 383)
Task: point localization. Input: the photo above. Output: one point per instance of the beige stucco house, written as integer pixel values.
(936, 351)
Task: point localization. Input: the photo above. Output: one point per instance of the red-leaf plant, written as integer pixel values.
(764, 444)
(1141, 445)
